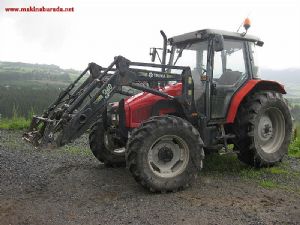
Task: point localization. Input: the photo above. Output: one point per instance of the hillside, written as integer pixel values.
(286, 75)
(289, 77)
(23, 74)
(27, 88)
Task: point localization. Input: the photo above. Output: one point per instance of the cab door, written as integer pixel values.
(229, 74)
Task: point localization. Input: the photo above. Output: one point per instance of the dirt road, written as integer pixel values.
(67, 186)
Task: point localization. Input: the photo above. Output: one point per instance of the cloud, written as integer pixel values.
(47, 30)
(99, 30)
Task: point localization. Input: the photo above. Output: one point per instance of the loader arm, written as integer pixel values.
(76, 109)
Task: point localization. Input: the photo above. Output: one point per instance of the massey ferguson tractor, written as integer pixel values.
(203, 95)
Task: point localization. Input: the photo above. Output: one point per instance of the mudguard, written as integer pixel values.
(251, 86)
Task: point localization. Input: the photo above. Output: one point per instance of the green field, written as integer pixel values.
(30, 88)
(26, 88)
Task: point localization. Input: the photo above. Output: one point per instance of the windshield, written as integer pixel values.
(192, 55)
(195, 56)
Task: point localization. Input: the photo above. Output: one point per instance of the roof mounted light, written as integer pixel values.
(247, 24)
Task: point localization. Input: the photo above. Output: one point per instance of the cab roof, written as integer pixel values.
(204, 34)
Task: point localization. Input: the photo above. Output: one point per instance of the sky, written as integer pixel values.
(99, 30)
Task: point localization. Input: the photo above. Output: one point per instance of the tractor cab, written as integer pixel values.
(221, 62)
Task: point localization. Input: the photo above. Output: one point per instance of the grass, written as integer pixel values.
(15, 123)
(276, 170)
(220, 164)
(268, 184)
(280, 176)
(294, 148)
(76, 150)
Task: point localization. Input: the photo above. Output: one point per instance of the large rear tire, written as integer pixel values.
(263, 128)
(108, 153)
(165, 153)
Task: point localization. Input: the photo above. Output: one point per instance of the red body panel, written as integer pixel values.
(138, 107)
(240, 95)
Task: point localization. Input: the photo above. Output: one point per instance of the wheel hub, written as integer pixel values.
(267, 130)
(265, 127)
(168, 156)
(109, 145)
(165, 154)
(271, 130)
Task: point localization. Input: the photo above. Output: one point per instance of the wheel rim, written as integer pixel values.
(271, 130)
(168, 156)
(119, 151)
(116, 151)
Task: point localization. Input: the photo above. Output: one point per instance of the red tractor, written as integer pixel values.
(207, 95)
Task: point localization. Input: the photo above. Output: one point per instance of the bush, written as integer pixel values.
(16, 123)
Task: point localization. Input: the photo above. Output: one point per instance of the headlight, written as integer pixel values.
(115, 119)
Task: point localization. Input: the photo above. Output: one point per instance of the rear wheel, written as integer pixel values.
(263, 128)
(165, 154)
(104, 148)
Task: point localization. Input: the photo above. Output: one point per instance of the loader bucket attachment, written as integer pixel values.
(48, 130)
(39, 133)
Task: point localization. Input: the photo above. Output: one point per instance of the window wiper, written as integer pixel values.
(180, 53)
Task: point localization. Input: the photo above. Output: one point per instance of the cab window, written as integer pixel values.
(229, 64)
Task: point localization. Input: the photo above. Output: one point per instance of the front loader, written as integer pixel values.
(207, 96)
(75, 111)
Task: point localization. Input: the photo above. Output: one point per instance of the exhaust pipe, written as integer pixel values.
(164, 53)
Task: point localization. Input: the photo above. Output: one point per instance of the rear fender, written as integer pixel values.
(250, 87)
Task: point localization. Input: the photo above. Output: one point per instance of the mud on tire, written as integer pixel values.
(263, 128)
(165, 153)
(100, 151)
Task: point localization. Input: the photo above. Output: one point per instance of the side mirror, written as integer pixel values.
(218, 43)
(153, 53)
(260, 43)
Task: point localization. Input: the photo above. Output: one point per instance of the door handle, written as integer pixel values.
(214, 88)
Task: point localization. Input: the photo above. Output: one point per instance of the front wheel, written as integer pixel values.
(165, 153)
(103, 147)
(263, 128)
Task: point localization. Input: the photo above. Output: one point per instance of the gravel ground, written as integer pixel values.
(66, 186)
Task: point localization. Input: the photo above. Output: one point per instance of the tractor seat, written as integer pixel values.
(229, 77)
